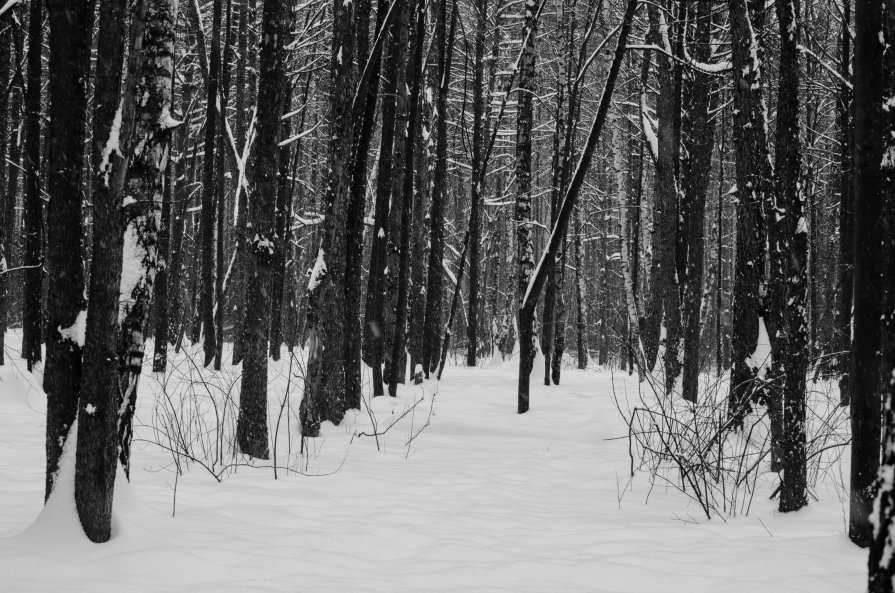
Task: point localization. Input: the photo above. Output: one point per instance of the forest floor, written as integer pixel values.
(459, 494)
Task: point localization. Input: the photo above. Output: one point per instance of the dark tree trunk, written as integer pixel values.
(33, 205)
(529, 298)
(698, 131)
(251, 426)
(71, 26)
(869, 130)
(752, 180)
(206, 299)
(97, 433)
(523, 214)
(6, 24)
(477, 182)
(324, 397)
(788, 275)
(407, 197)
(846, 209)
(364, 116)
(663, 311)
(439, 82)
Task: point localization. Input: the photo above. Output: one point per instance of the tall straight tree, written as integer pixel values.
(477, 182)
(33, 215)
(869, 125)
(846, 206)
(206, 311)
(524, 251)
(752, 181)
(698, 134)
(787, 291)
(415, 8)
(324, 397)
(439, 80)
(251, 426)
(97, 453)
(71, 28)
(6, 28)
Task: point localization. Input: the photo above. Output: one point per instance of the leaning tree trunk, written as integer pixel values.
(324, 397)
(33, 205)
(71, 26)
(251, 425)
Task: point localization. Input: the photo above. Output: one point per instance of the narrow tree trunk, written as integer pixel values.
(6, 24)
(846, 210)
(33, 205)
(408, 199)
(525, 254)
(698, 131)
(206, 306)
(440, 76)
(477, 182)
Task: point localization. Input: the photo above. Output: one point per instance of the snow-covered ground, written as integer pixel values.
(480, 499)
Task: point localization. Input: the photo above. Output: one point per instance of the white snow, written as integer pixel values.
(112, 145)
(760, 359)
(482, 499)
(132, 270)
(319, 270)
(76, 331)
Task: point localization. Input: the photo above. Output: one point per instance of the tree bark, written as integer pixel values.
(71, 27)
(251, 426)
(32, 259)
(869, 130)
(325, 377)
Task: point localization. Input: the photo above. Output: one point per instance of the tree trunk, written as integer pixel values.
(752, 179)
(529, 298)
(846, 209)
(251, 426)
(525, 254)
(32, 259)
(477, 182)
(206, 306)
(698, 132)
(789, 254)
(5, 237)
(869, 197)
(439, 82)
(325, 377)
(71, 26)
(407, 197)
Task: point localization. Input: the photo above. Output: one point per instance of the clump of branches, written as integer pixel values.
(701, 451)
